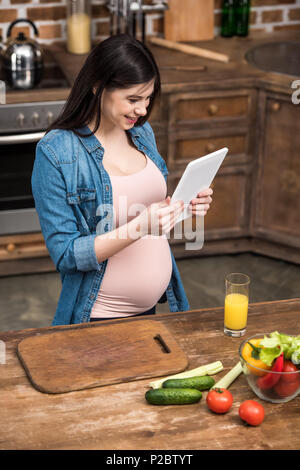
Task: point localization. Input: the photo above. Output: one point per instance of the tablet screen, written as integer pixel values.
(197, 176)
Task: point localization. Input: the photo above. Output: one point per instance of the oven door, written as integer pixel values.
(17, 212)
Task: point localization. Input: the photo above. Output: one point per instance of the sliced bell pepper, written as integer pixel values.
(269, 380)
(250, 354)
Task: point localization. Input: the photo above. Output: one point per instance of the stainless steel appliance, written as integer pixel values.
(128, 16)
(23, 58)
(21, 127)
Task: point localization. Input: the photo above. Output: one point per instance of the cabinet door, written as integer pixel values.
(276, 201)
(228, 216)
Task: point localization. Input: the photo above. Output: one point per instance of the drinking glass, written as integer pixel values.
(236, 304)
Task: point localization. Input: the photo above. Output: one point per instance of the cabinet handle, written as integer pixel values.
(35, 118)
(210, 147)
(20, 119)
(213, 109)
(10, 247)
(275, 107)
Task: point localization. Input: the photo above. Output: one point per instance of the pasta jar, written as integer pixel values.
(78, 26)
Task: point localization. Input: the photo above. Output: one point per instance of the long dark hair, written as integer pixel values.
(118, 62)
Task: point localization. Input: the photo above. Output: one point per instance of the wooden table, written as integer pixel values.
(118, 417)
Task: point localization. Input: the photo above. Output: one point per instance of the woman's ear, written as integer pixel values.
(95, 87)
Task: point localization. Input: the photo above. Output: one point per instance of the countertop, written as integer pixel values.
(118, 416)
(236, 72)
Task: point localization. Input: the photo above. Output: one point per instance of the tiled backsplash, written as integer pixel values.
(50, 18)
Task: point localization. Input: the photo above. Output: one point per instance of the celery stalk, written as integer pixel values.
(227, 380)
(208, 369)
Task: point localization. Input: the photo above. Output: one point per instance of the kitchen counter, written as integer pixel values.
(118, 416)
(237, 70)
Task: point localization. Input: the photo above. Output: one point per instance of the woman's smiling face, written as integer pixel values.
(123, 107)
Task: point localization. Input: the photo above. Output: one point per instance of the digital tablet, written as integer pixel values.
(197, 176)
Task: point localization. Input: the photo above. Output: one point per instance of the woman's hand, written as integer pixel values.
(200, 204)
(159, 218)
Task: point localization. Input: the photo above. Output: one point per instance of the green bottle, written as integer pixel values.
(228, 19)
(242, 11)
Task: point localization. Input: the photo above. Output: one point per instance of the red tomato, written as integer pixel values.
(285, 389)
(252, 412)
(288, 366)
(219, 400)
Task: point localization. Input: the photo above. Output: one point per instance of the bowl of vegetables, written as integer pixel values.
(271, 365)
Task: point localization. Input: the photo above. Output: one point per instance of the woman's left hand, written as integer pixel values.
(200, 204)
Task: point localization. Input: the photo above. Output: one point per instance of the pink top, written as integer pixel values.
(137, 276)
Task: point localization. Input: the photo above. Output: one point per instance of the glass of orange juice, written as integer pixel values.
(236, 304)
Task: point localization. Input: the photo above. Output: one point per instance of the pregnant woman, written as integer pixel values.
(100, 191)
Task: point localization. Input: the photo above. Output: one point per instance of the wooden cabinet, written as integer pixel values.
(28, 245)
(24, 253)
(276, 195)
(256, 201)
(192, 107)
(199, 123)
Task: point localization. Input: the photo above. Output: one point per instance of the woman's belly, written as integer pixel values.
(135, 278)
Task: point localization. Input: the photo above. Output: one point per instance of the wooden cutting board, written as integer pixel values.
(94, 355)
(189, 20)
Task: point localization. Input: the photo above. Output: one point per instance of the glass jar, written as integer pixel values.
(78, 26)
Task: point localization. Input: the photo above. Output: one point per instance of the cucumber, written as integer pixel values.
(173, 396)
(200, 383)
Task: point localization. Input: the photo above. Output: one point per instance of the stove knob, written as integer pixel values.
(20, 119)
(35, 118)
(50, 117)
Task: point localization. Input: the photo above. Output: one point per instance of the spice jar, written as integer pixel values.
(78, 26)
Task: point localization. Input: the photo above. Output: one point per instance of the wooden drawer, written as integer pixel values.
(187, 145)
(14, 247)
(188, 108)
(190, 149)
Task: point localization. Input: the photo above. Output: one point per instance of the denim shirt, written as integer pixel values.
(69, 183)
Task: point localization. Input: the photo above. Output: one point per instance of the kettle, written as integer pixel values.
(23, 58)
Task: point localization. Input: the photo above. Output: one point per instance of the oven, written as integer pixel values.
(22, 125)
